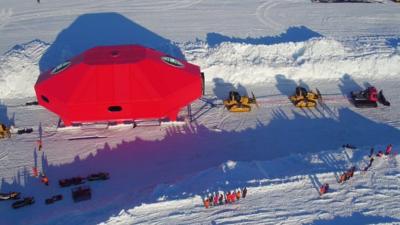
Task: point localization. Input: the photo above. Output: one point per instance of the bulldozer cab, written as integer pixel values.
(234, 96)
(300, 91)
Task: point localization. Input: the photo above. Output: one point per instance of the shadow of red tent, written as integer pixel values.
(116, 83)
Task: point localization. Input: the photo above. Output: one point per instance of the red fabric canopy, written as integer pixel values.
(116, 83)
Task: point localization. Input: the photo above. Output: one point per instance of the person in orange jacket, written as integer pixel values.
(206, 203)
(44, 179)
(324, 188)
(39, 143)
(238, 194)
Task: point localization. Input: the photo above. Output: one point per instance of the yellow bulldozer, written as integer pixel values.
(237, 103)
(305, 99)
(4, 131)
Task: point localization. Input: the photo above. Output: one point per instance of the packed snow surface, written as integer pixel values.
(159, 174)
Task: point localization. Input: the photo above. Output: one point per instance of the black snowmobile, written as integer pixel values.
(365, 99)
(9, 196)
(349, 146)
(81, 193)
(71, 181)
(382, 99)
(53, 199)
(24, 202)
(98, 176)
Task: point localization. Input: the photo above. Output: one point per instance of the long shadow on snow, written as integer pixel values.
(348, 84)
(139, 168)
(4, 117)
(292, 34)
(357, 219)
(90, 30)
(222, 88)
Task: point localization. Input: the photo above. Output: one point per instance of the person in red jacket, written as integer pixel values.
(228, 197)
(215, 199)
(233, 196)
(388, 149)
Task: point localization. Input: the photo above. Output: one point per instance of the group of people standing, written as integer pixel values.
(350, 172)
(218, 198)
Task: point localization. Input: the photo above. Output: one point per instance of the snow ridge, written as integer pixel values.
(319, 58)
(19, 69)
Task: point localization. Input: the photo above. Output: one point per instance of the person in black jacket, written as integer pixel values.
(244, 192)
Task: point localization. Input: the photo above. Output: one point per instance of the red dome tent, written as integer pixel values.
(117, 83)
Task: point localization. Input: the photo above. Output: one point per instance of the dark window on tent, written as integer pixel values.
(115, 108)
(45, 99)
(172, 61)
(61, 67)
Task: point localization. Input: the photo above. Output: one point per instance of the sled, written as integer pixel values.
(24, 202)
(9, 196)
(382, 99)
(81, 193)
(98, 176)
(25, 131)
(71, 181)
(53, 199)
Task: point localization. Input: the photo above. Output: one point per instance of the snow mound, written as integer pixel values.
(318, 58)
(19, 69)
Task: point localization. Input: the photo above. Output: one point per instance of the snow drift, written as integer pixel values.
(319, 58)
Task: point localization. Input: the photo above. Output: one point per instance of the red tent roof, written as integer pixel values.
(114, 83)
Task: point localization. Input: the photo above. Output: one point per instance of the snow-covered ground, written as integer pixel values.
(159, 174)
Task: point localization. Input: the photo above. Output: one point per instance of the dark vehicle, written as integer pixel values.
(71, 181)
(9, 196)
(81, 193)
(24, 202)
(53, 199)
(365, 99)
(98, 176)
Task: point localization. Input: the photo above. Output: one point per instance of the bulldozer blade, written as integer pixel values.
(319, 95)
(254, 99)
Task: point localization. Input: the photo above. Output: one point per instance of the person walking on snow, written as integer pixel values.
(388, 149)
(369, 165)
(238, 194)
(216, 199)
(371, 152)
(39, 143)
(210, 199)
(324, 188)
(35, 172)
(244, 192)
(206, 203)
(221, 199)
(44, 179)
